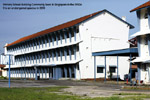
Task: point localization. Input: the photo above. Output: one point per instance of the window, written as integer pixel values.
(146, 40)
(146, 14)
(77, 29)
(144, 67)
(100, 69)
(112, 69)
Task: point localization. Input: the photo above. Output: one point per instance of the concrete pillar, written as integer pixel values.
(95, 68)
(139, 72)
(25, 72)
(30, 72)
(130, 68)
(42, 72)
(35, 68)
(75, 71)
(54, 76)
(105, 67)
(117, 68)
(70, 72)
(65, 70)
(45, 72)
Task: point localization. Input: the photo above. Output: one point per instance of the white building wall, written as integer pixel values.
(143, 22)
(103, 33)
(144, 51)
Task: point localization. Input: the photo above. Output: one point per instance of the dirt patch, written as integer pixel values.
(90, 91)
(96, 91)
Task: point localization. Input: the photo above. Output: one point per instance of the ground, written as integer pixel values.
(80, 88)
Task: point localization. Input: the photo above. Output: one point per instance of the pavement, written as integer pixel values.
(81, 88)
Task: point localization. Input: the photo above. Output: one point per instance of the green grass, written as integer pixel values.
(49, 93)
(2, 77)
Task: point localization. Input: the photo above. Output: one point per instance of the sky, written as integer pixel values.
(15, 24)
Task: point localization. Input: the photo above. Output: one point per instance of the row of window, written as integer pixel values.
(112, 69)
(49, 54)
(48, 39)
(65, 71)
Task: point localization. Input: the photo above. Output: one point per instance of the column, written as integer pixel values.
(75, 55)
(36, 43)
(69, 52)
(39, 72)
(42, 56)
(21, 70)
(60, 51)
(48, 37)
(30, 43)
(42, 72)
(74, 31)
(49, 56)
(56, 38)
(52, 39)
(60, 37)
(117, 69)
(65, 52)
(54, 73)
(65, 70)
(75, 71)
(138, 16)
(42, 41)
(105, 68)
(38, 39)
(25, 59)
(70, 72)
(69, 30)
(139, 73)
(148, 38)
(39, 57)
(95, 68)
(30, 72)
(53, 55)
(25, 72)
(35, 73)
(48, 73)
(56, 54)
(45, 52)
(33, 58)
(148, 10)
(130, 68)
(45, 38)
(45, 72)
(65, 35)
(36, 57)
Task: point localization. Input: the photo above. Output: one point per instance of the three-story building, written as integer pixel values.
(65, 51)
(143, 39)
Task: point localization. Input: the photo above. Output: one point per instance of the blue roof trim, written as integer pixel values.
(124, 52)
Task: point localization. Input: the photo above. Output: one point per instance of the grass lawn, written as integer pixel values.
(48, 93)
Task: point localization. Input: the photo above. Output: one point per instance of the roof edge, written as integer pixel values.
(61, 27)
(142, 6)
